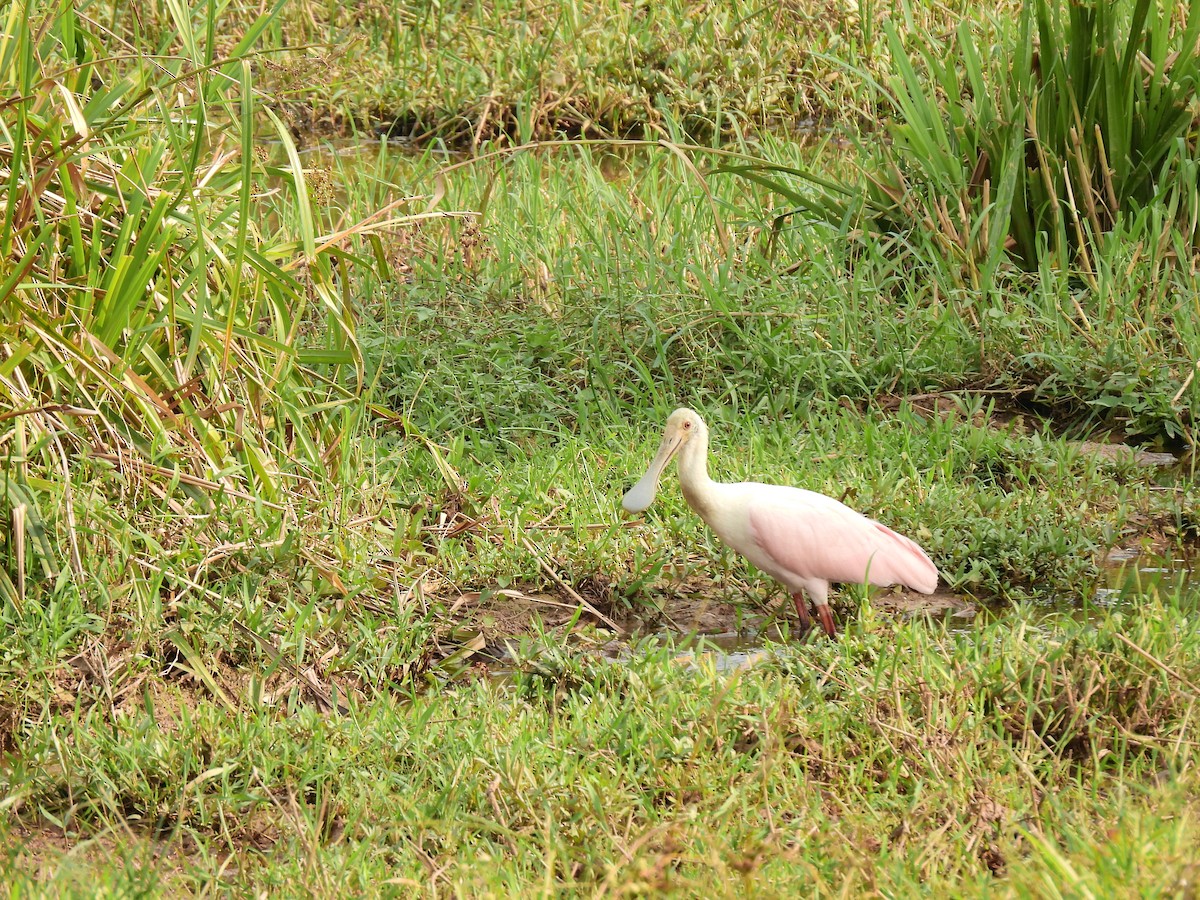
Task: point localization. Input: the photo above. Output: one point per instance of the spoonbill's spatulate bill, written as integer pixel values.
(802, 539)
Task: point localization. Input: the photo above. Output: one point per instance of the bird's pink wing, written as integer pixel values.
(814, 536)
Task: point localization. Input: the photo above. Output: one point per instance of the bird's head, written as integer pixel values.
(683, 425)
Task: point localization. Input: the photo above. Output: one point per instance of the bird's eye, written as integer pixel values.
(687, 424)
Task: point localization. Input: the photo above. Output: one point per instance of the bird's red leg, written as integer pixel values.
(802, 611)
(826, 617)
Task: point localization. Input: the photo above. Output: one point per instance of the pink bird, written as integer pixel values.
(802, 539)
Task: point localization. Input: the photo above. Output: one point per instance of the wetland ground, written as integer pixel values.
(334, 333)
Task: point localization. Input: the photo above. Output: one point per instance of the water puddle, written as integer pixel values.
(727, 652)
(1129, 574)
(1126, 576)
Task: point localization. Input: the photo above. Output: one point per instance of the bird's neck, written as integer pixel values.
(693, 473)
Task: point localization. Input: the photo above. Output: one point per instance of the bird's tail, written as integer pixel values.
(905, 564)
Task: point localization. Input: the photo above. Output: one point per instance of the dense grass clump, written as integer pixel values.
(1032, 146)
(180, 380)
(1043, 177)
(902, 757)
(1076, 129)
(154, 334)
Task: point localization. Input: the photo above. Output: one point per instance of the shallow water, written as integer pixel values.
(1127, 576)
(727, 652)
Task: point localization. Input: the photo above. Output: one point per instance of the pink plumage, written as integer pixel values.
(802, 539)
(808, 535)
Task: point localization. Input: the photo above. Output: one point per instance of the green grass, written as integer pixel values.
(1043, 180)
(467, 73)
(238, 654)
(1073, 130)
(640, 280)
(1020, 757)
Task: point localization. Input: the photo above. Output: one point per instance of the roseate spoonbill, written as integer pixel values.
(802, 539)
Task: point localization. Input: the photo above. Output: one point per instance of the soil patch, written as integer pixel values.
(695, 606)
(49, 855)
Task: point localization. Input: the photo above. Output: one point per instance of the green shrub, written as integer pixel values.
(1042, 147)
(157, 319)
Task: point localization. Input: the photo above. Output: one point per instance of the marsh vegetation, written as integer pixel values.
(333, 334)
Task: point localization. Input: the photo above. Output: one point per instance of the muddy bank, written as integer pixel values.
(701, 620)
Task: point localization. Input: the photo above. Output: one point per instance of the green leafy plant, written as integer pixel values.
(1048, 144)
(151, 321)
(1071, 127)
(1045, 186)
